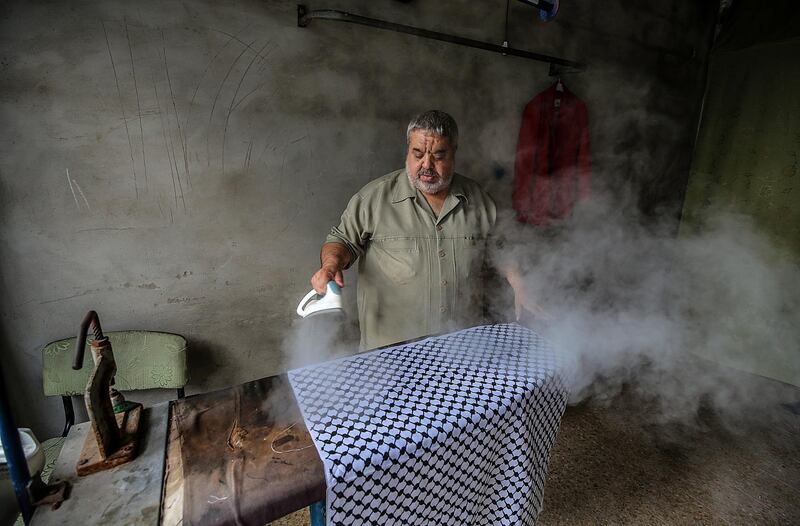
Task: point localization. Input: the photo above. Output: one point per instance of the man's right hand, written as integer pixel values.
(321, 278)
(333, 258)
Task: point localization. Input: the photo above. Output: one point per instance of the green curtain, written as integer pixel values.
(747, 156)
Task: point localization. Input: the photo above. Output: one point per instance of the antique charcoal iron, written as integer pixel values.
(115, 422)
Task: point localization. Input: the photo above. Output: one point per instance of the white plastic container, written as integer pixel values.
(34, 454)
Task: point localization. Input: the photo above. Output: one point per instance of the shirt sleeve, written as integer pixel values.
(351, 231)
(495, 238)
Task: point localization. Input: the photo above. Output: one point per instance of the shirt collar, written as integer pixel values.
(403, 190)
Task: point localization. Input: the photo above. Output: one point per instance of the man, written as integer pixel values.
(420, 236)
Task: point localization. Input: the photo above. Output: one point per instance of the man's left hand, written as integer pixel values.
(525, 308)
(524, 305)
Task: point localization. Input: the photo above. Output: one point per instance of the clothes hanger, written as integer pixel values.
(559, 86)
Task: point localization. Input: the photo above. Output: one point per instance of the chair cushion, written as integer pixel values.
(145, 360)
(52, 448)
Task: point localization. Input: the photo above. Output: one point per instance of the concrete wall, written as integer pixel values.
(175, 165)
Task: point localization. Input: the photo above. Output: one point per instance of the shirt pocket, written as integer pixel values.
(397, 258)
(470, 255)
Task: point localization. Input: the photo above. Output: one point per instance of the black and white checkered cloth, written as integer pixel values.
(451, 430)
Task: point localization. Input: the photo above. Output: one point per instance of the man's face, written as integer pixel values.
(430, 162)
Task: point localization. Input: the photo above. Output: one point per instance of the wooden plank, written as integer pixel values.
(125, 495)
(91, 461)
(172, 501)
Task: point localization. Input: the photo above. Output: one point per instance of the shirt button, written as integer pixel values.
(439, 227)
(442, 309)
(444, 282)
(441, 253)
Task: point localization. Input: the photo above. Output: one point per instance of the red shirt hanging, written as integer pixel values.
(552, 170)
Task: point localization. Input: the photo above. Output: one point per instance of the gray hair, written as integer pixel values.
(434, 121)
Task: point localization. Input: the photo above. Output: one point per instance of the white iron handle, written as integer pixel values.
(305, 302)
(312, 297)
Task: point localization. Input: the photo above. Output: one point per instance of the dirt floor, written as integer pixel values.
(608, 468)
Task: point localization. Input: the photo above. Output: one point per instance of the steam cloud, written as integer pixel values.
(322, 337)
(630, 304)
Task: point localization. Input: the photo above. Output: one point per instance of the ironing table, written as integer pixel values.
(453, 429)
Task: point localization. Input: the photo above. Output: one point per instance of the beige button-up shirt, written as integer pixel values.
(418, 274)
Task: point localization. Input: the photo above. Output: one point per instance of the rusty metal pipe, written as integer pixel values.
(92, 319)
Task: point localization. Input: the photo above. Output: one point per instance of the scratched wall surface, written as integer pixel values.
(175, 165)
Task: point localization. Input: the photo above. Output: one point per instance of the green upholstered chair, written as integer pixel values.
(145, 360)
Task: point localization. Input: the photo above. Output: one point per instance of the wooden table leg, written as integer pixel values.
(317, 511)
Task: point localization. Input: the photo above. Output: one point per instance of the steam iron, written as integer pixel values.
(313, 304)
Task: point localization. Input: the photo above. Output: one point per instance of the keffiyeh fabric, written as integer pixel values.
(451, 430)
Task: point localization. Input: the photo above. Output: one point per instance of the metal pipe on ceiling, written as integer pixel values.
(304, 18)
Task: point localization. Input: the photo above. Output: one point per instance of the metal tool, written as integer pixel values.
(313, 303)
(114, 437)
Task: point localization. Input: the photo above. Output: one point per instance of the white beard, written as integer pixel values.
(434, 187)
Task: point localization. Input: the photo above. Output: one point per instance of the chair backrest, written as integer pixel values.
(145, 360)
